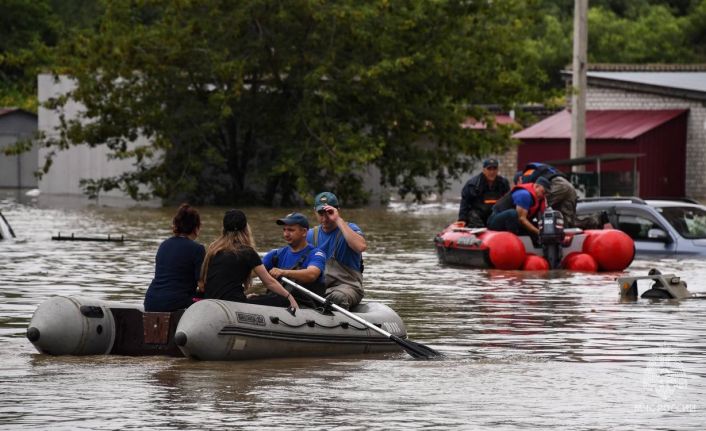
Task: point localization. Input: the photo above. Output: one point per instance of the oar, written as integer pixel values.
(419, 351)
(8, 226)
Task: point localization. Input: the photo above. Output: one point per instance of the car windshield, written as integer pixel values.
(690, 222)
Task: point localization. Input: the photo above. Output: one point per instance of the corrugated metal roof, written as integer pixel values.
(607, 124)
(691, 81)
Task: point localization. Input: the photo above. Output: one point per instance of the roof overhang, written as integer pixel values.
(601, 124)
(659, 82)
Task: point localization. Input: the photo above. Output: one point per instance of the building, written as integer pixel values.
(78, 162)
(17, 171)
(655, 110)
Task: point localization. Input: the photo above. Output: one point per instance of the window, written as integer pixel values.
(690, 222)
(637, 226)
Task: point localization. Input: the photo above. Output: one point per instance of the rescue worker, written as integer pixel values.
(514, 211)
(562, 197)
(343, 244)
(480, 193)
(298, 260)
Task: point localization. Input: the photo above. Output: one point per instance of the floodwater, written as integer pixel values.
(524, 351)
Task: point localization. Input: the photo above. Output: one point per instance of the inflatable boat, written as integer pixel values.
(224, 330)
(556, 248)
(208, 330)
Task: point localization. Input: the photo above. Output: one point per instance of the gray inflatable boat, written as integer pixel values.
(208, 330)
(224, 330)
(73, 325)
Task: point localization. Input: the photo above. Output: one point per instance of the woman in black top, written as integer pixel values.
(177, 265)
(230, 261)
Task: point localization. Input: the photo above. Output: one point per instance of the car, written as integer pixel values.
(658, 226)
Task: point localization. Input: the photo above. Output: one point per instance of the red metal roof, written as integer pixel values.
(608, 124)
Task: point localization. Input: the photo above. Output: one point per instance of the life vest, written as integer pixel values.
(534, 170)
(505, 203)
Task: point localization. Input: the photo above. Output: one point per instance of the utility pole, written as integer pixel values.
(578, 93)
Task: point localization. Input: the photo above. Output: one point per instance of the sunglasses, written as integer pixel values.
(322, 212)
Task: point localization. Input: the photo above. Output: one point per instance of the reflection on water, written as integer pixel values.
(525, 350)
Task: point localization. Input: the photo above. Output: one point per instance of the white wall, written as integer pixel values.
(78, 162)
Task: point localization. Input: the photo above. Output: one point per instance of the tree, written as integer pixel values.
(655, 36)
(29, 28)
(274, 101)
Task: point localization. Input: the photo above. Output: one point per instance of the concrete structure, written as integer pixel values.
(17, 171)
(78, 162)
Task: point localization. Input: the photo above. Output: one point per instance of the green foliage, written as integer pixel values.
(655, 36)
(275, 101)
(269, 101)
(28, 29)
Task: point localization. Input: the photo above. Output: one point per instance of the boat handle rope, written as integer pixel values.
(312, 323)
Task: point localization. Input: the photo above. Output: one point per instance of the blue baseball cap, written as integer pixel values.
(294, 218)
(325, 198)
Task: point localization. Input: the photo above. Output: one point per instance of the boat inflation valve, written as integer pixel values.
(32, 334)
(180, 339)
(665, 286)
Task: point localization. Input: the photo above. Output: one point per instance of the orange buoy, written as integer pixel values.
(612, 249)
(535, 263)
(580, 262)
(505, 249)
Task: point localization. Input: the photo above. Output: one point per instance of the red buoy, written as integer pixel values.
(580, 262)
(505, 249)
(535, 263)
(612, 249)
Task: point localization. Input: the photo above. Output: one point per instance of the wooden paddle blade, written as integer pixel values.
(416, 350)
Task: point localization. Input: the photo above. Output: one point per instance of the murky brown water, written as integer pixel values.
(525, 351)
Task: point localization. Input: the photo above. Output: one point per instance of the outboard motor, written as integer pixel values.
(551, 236)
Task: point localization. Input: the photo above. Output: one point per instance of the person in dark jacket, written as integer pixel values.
(177, 265)
(480, 193)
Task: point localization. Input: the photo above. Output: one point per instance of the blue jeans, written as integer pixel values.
(506, 221)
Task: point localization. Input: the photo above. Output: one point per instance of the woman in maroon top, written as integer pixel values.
(230, 261)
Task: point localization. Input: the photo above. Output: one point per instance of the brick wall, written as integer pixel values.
(608, 98)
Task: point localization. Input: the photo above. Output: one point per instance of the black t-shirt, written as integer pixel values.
(227, 271)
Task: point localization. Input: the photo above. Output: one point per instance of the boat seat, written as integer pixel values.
(156, 327)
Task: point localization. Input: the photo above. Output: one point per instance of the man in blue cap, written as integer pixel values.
(480, 193)
(298, 260)
(343, 243)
